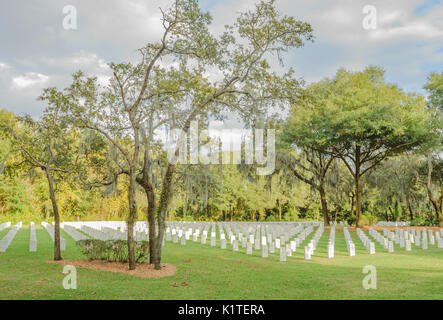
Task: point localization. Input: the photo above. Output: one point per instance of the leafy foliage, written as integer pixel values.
(113, 250)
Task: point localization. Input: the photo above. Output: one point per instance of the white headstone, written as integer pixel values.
(307, 253)
(282, 254)
(249, 248)
(408, 245)
(330, 250)
(390, 247)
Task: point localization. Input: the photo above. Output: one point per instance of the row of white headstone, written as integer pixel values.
(251, 236)
(302, 233)
(106, 230)
(176, 232)
(370, 246)
(140, 228)
(256, 236)
(96, 233)
(339, 224)
(312, 245)
(349, 243)
(74, 233)
(392, 224)
(287, 249)
(405, 238)
(439, 239)
(83, 232)
(6, 240)
(5, 225)
(385, 242)
(50, 229)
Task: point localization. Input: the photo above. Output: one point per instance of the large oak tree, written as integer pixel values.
(362, 120)
(180, 90)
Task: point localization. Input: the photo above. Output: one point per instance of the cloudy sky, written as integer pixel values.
(37, 52)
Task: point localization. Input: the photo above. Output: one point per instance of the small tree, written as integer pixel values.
(313, 164)
(46, 144)
(312, 172)
(5, 148)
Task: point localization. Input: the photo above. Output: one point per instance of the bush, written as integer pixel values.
(369, 219)
(351, 220)
(113, 250)
(291, 215)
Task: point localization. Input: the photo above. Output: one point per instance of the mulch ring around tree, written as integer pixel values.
(143, 270)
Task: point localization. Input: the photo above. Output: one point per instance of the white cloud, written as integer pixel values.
(417, 30)
(29, 79)
(82, 59)
(41, 53)
(4, 66)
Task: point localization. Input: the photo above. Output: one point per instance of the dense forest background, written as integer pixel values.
(402, 187)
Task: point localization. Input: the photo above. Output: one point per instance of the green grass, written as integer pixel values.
(213, 273)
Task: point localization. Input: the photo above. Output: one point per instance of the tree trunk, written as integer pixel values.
(358, 221)
(131, 219)
(436, 203)
(145, 182)
(151, 224)
(162, 210)
(324, 205)
(131, 244)
(352, 204)
(392, 214)
(357, 177)
(408, 203)
(437, 208)
(57, 250)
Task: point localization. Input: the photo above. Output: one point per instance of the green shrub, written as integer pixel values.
(368, 219)
(423, 221)
(351, 220)
(113, 250)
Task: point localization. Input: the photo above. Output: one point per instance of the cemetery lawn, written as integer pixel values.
(206, 272)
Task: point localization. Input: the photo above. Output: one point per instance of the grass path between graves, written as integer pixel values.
(206, 272)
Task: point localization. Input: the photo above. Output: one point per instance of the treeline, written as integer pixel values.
(404, 187)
